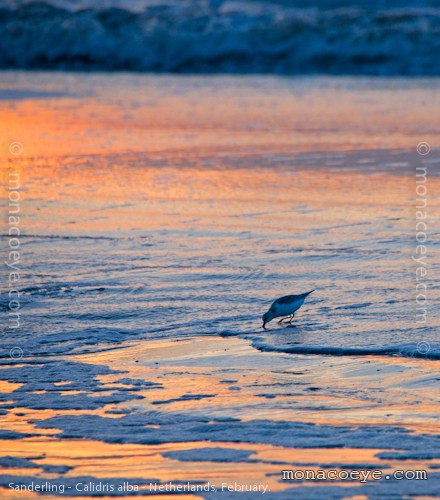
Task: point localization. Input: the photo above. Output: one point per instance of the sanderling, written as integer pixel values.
(286, 307)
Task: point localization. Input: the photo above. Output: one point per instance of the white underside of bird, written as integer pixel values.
(284, 307)
(288, 309)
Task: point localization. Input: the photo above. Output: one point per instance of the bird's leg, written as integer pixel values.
(283, 319)
(291, 318)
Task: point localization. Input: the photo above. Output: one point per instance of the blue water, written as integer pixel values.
(81, 292)
(327, 36)
(174, 211)
(200, 240)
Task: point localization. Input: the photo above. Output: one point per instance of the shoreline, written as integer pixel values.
(166, 257)
(331, 398)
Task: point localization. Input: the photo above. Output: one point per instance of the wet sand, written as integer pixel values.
(225, 378)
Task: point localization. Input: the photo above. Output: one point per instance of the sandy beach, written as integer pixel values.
(159, 217)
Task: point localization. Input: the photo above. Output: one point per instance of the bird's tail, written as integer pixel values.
(308, 293)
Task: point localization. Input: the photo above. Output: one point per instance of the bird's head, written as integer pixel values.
(267, 316)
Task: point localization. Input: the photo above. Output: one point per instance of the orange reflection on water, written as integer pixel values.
(147, 159)
(100, 460)
(6, 387)
(103, 113)
(104, 460)
(102, 194)
(356, 391)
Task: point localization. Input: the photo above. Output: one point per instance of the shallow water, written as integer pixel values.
(198, 232)
(160, 216)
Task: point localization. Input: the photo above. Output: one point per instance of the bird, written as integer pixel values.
(286, 307)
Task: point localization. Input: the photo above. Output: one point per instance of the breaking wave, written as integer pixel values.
(421, 350)
(221, 36)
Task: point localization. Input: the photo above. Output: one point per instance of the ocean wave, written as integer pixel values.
(222, 36)
(422, 350)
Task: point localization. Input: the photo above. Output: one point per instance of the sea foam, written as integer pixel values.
(222, 36)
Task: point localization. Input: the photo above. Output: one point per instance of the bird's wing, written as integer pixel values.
(291, 298)
(287, 299)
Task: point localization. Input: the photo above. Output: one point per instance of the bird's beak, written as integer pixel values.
(264, 325)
